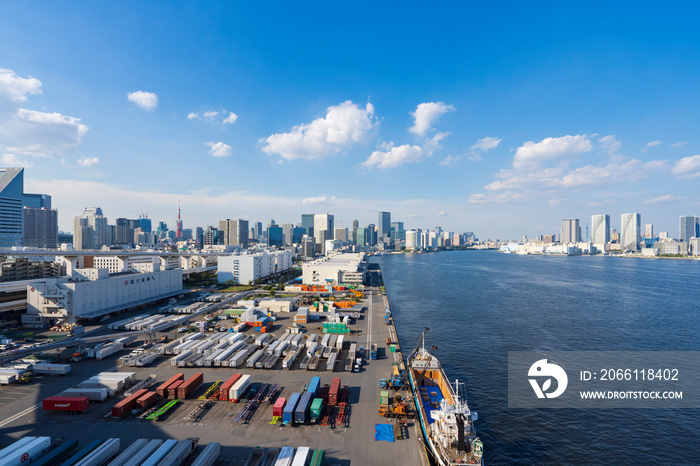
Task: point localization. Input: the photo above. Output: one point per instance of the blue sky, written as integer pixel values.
(499, 119)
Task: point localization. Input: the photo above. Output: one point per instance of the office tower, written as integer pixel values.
(308, 247)
(307, 223)
(91, 230)
(187, 234)
(234, 232)
(11, 204)
(362, 237)
(630, 233)
(355, 226)
(383, 224)
(341, 234)
(398, 232)
(211, 237)
(323, 230)
(600, 229)
(37, 201)
(649, 231)
(145, 224)
(40, 228)
(275, 236)
(688, 227)
(287, 229)
(123, 234)
(570, 231)
(162, 230)
(412, 240)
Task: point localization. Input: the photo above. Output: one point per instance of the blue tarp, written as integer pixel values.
(384, 432)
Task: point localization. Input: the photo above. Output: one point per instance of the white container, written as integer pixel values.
(281, 347)
(326, 339)
(7, 379)
(101, 454)
(239, 388)
(108, 350)
(93, 394)
(27, 453)
(302, 456)
(129, 453)
(339, 343)
(286, 457)
(179, 453)
(15, 446)
(51, 369)
(271, 349)
(209, 455)
(160, 453)
(144, 453)
(255, 357)
(311, 350)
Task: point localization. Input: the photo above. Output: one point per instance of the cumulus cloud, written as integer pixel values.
(342, 126)
(192, 116)
(210, 115)
(687, 167)
(484, 144)
(41, 134)
(678, 144)
(549, 149)
(664, 198)
(610, 144)
(432, 144)
(11, 160)
(449, 160)
(316, 200)
(230, 119)
(145, 100)
(219, 149)
(395, 156)
(15, 88)
(441, 213)
(222, 116)
(652, 144)
(426, 114)
(88, 161)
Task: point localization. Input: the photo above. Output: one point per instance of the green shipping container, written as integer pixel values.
(392, 348)
(384, 397)
(316, 408)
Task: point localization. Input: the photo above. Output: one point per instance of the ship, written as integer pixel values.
(446, 422)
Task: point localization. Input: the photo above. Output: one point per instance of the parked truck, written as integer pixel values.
(288, 413)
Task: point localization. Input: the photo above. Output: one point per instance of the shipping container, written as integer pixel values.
(180, 452)
(102, 454)
(312, 339)
(7, 379)
(160, 390)
(172, 389)
(301, 413)
(66, 403)
(224, 389)
(285, 457)
(190, 385)
(82, 453)
(147, 400)
(311, 349)
(144, 453)
(318, 458)
(316, 410)
(160, 453)
(130, 452)
(339, 343)
(314, 385)
(107, 351)
(278, 407)
(58, 454)
(28, 452)
(128, 404)
(209, 455)
(330, 364)
(21, 443)
(333, 392)
(51, 369)
(302, 456)
(239, 388)
(288, 412)
(93, 394)
(255, 357)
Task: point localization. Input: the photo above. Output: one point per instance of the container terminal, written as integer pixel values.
(164, 392)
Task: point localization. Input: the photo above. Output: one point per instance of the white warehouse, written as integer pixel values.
(93, 292)
(246, 267)
(334, 269)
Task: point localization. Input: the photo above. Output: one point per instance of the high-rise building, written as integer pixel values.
(122, 233)
(11, 204)
(412, 240)
(324, 225)
(600, 229)
(40, 228)
(307, 223)
(631, 231)
(37, 201)
(341, 234)
(570, 231)
(689, 225)
(649, 230)
(162, 230)
(145, 224)
(355, 226)
(287, 230)
(297, 235)
(308, 247)
(211, 237)
(383, 224)
(235, 232)
(91, 230)
(275, 236)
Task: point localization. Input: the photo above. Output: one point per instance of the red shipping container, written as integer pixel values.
(188, 386)
(147, 400)
(224, 389)
(128, 404)
(161, 390)
(172, 389)
(333, 393)
(278, 407)
(66, 403)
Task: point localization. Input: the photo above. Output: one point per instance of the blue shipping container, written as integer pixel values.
(314, 386)
(301, 414)
(288, 413)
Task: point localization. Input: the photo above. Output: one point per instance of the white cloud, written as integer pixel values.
(192, 116)
(11, 160)
(394, 157)
(230, 119)
(15, 88)
(484, 144)
(687, 167)
(432, 144)
(219, 149)
(42, 134)
(652, 144)
(565, 147)
(426, 114)
(316, 200)
(664, 198)
(441, 213)
(601, 203)
(145, 100)
(343, 125)
(449, 160)
(610, 144)
(88, 161)
(678, 144)
(210, 115)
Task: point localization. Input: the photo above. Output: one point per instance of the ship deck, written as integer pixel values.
(431, 396)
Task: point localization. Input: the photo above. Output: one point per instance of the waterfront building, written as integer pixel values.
(412, 240)
(323, 229)
(383, 225)
(11, 204)
(40, 228)
(570, 231)
(630, 232)
(689, 227)
(694, 246)
(649, 231)
(676, 248)
(246, 267)
(334, 269)
(600, 229)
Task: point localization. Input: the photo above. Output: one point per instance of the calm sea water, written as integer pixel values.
(481, 304)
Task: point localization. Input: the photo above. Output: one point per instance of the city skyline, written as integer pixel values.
(500, 134)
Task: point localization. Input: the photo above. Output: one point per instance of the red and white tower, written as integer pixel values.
(178, 229)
